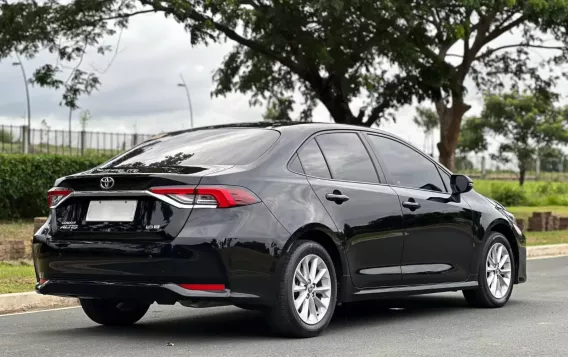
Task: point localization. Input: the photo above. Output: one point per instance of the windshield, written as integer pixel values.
(225, 146)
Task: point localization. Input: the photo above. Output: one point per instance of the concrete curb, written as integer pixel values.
(543, 251)
(20, 302)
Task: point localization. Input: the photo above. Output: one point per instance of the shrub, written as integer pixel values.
(6, 136)
(508, 195)
(25, 179)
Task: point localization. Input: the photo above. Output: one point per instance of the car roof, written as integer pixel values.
(306, 128)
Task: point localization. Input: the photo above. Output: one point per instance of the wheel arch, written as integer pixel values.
(503, 227)
(327, 238)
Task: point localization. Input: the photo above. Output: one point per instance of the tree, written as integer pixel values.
(427, 120)
(84, 117)
(461, 44)
(278, 110)
(388, 53)
(471, 140)
(328, 51)
(526, 123)
(472, 136)
(552, 159)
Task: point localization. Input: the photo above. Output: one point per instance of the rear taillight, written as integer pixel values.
(209, 196)
(56, 194)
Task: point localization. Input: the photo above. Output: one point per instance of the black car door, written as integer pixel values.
(366, 212)
(439, 240)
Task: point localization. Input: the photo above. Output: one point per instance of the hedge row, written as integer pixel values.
(509, 193)
(25, 179)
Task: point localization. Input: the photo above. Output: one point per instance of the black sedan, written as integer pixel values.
(288, 219)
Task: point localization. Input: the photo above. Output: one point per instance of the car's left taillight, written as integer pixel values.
(209, 196)
(56, 194)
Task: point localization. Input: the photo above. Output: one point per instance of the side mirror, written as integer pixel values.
(461, 184)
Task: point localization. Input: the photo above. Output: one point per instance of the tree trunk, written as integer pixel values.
(450, 124)
(522, 173)
(342, 113)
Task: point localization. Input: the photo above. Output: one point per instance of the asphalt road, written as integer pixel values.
(534, 323)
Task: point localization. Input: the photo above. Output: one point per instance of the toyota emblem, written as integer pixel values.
(107, 183)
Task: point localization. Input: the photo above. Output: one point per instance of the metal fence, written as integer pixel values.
(539, 169)
(13, 140)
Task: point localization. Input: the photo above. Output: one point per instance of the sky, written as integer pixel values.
(139, 91)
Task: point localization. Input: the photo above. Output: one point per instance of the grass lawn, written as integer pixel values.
(544, 238)
(16, 277)
(17, 230)
(526, 212)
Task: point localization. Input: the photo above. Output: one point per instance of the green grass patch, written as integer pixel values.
(545, 238)
(16, 277)
(16, 230)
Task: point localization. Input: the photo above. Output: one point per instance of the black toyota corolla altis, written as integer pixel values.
(287, 219)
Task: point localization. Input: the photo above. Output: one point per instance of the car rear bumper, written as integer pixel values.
(202, 254)
(167, 294)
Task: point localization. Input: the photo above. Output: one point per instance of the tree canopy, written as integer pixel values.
(525, 124)
(387, 53)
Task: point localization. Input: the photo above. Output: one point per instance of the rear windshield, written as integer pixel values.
(227, 146)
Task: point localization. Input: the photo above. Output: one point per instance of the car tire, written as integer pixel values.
(114, 312)
(493, 276)
(316, 299)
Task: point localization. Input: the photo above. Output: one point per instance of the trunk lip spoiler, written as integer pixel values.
(129, 193)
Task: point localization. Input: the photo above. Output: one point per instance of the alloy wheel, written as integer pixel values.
(311, 289)
(498, 270)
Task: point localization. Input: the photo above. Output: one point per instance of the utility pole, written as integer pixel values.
(184, 85)
(19, 63)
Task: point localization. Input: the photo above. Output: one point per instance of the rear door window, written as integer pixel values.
(347, 157)
(313, 161)
(224, 146)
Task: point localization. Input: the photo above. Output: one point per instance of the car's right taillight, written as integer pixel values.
(56, 194)
(209, 196)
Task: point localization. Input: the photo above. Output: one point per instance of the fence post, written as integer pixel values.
(25, 134)
(483, 172)
(537, 177)
(83, 135)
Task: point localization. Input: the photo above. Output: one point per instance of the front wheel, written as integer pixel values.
(496, 274)
(114, 312)
(307, 292)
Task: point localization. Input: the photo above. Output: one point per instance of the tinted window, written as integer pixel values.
(446, 179)
(313, 161)
(295, 165)
(202, 147)
(406, 166)
(347, 157)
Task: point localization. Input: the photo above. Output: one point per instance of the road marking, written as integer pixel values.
(36, 311)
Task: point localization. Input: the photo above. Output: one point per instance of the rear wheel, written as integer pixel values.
(114, 312)
(496, 274)
(306, 295)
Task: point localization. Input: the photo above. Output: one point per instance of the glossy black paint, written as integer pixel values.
(384, 239)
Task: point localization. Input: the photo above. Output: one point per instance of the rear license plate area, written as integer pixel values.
(111, 211)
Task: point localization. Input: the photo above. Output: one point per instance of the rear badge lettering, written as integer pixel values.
(152, 227)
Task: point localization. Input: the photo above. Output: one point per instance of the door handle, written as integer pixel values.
(336, 197)
(411, 205)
